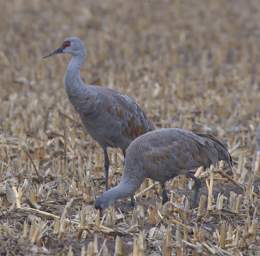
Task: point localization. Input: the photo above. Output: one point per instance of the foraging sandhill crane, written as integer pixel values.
(111, 118)
(163, 154)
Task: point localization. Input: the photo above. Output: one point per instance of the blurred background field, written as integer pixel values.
(189, 64)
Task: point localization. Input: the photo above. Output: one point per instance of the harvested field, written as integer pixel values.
(189, 64)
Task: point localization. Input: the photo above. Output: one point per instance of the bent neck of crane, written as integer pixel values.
(122, 190)
(72, 77)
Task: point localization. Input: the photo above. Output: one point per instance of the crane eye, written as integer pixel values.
(65, 44)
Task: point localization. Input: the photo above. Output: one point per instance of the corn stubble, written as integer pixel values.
(185, 70)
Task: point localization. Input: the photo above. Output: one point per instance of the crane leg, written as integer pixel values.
(123, 151)
(132, 201)
(195, 193)
(164, 193)
(106, 166)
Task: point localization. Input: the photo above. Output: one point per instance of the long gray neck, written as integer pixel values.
(73, 83)
(124, 189)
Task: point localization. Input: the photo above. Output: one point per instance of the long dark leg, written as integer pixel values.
(132, 201)
(195, 193)
(164, 193)
(106, 166)
(123, 151)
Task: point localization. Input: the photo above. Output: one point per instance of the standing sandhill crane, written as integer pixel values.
(164, 154)
(111, 118)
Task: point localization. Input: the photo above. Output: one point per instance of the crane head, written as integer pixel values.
(101, 203)
(71, 45)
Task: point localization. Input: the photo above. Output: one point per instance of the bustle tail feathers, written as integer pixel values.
(222, 149)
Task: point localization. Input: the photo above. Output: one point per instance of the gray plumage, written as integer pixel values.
(258, 140)
(164, 154)
(111, 118)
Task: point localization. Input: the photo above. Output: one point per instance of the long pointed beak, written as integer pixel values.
(57, 51)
